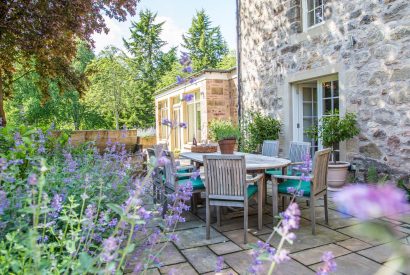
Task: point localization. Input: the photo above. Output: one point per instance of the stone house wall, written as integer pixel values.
(365, 42)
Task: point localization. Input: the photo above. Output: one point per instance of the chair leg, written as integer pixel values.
(218, 216)
(245, 224)
(260, 210)
(208, 219)
(283, 203)
(313, 215)
(274, 197)
(326, 210)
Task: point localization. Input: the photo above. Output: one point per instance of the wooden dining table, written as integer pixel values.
(255, 163)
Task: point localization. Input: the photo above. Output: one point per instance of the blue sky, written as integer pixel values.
(178, 16)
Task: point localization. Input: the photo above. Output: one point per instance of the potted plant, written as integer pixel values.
(333, 129)
(225, 133)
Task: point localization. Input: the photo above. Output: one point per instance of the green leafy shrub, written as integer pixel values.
(257, 128)
(223, 129)
(333, 129)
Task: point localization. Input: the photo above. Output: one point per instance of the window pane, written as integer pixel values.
(310, 18)
(191, 122)
(336, 104)
(307, 94)
(327, 92)
(318, 15)
(197, 96)
(327, 106)
(336, 88)
(198, 125)
(310, 5)
(314, 94)
(318, 3)
(307, 109)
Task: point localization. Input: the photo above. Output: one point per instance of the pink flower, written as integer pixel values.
(372, 201)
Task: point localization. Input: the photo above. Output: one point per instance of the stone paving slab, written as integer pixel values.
(336, 219)
(357, 231)
(183, 268)
(353, 264)
(237, 237)
(354, 244)
(202, 258)
(197, 237)
(305, 239)
(241, 261)
(312, 256)
(224, 248)
(228, 271)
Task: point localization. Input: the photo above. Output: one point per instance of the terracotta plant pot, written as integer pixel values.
(227, 146)
(336, 175)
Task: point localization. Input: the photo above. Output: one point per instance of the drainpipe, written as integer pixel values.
(238, 58)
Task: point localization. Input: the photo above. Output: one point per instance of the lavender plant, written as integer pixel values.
(73, 210)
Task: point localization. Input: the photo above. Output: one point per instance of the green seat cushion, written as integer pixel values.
(196, 183)
(305, 186)
(183, 169)
(277, 172)
(252, 189)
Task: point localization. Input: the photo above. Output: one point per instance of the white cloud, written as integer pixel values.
(171, 33)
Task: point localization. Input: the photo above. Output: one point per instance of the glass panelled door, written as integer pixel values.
(314, 100)
(309, 113)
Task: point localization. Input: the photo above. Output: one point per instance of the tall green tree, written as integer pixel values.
(205, 44)
(40, 36)
(149, 63)
(66, 110)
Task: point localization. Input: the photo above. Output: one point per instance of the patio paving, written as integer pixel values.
(355, 252)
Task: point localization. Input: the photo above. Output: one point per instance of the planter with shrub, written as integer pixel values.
(333, 129)
(225, 133)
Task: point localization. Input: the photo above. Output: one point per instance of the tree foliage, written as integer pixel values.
(205, 44)
(149, 62)
(41, 36)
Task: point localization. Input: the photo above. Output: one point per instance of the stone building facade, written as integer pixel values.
(215, 97)
(301, 58)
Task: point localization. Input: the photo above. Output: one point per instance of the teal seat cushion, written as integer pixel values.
(183, 169)
(196, 183)
(277, 172)
(305, 186)
(252, 189)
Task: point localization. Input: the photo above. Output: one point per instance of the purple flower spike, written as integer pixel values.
(219, 264)
(180, 80)
(372, 201)
(183, 125)
(162, 161)
(4, 202)
(32, 179)
(281, 256)
(188, 97)
(187, 69)
(185, 60)
(192, 80)
(329, 264)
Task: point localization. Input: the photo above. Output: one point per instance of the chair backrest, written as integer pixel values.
(225, 177)
(169, 169)
(298, 150)
(270, 148)
(320, 165)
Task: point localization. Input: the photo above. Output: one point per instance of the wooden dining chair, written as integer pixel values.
(172, 178)
(226, 184)
(270, 148)
(315, 188)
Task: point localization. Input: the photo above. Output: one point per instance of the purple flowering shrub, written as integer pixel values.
(66, 209)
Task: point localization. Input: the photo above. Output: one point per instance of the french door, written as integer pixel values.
(312, 101)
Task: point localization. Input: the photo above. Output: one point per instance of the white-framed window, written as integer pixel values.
(313, 13)
(162, 114)
(313, 100)
(193, 118)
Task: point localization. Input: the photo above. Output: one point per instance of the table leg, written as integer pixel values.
(274, 198)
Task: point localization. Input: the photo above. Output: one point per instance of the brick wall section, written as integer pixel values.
(369, 41)
(222, 100)
(101, 137)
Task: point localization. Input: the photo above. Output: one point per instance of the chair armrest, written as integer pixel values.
(258, 177)
(296, 163)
